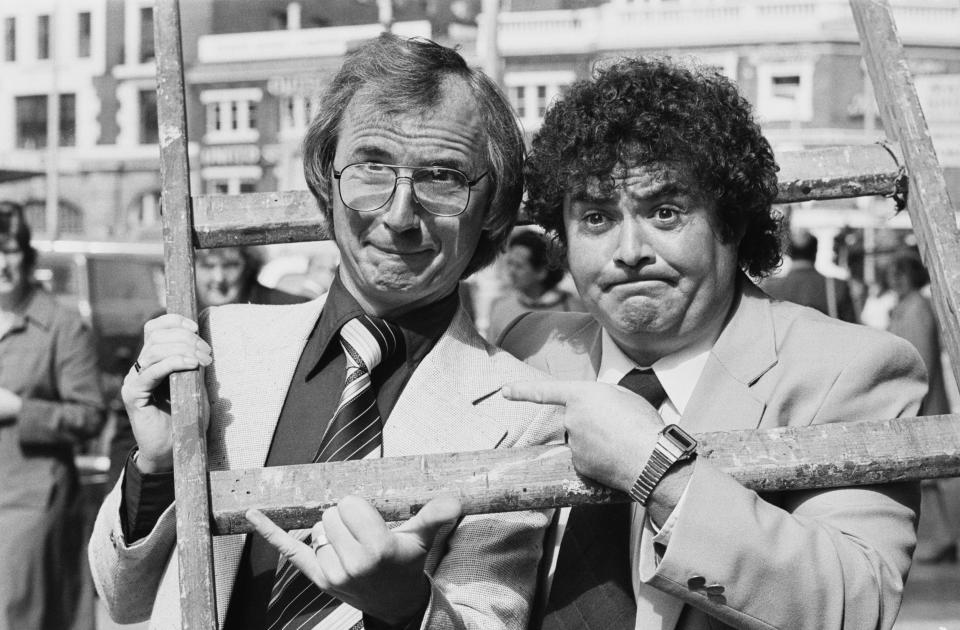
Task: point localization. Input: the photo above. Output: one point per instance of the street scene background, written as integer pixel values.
(79, 141)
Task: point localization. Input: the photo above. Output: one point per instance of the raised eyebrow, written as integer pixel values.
(369, 153)
(447, 163)
(593, 199)
(669, 189)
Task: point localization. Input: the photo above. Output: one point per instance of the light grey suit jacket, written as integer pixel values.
(815, 560)
(482, 572)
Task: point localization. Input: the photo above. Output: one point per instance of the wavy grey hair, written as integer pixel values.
(409, 75)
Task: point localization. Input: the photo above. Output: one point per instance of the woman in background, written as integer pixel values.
(50, 402)
(533, 284)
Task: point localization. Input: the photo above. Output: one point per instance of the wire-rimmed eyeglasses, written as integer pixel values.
(369, 186)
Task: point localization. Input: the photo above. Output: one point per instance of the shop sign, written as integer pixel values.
(230, 155)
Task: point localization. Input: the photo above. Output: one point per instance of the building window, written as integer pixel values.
(541, 100)
(144, 210)
(31, 122)
(785, 92)
(10, 39)
(531, 93)
(83, 34)
(518, 100)
(68, 120)
(296, 112)
(232, 186)
(146, 35)
(149, 126)
(786, 87)
(69, 216)
(232, 115)
(43, 37)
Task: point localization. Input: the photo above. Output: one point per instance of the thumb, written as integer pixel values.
(435, 514)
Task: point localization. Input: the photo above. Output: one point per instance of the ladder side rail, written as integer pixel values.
(194, 542)
(928, 202)
(766, 460)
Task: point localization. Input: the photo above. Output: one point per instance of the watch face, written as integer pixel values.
(683, 440)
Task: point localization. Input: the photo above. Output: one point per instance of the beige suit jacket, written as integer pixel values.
(808, 560)
(482, 572)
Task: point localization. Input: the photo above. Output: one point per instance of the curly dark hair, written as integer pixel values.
(643, 111)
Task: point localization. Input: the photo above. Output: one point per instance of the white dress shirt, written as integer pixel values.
(678, 374)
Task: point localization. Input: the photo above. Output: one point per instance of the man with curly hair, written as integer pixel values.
(659, 185)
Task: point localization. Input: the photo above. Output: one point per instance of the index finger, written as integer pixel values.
(298, 553)
(170, 320)
(544, 392)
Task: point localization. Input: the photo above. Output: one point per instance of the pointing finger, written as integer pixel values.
(295, 551)
(544, 392)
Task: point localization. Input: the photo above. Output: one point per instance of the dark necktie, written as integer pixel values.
(354, 432)
(592, 585)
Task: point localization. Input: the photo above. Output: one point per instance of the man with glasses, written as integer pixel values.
(416, 161)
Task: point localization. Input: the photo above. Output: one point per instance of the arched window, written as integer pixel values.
(69, 217)
(144, 211)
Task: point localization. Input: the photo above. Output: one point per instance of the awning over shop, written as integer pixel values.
(10, 175)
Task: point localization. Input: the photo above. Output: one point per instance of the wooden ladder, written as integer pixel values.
(840, 454)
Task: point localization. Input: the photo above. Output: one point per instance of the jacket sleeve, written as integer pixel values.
(127, 576)
(487, 578)
(78, 413)
(825, 559)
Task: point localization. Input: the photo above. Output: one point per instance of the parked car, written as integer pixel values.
(116, 287)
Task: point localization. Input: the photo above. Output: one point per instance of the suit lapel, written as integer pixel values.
(723, 399)
(439, 409)
(242, 440)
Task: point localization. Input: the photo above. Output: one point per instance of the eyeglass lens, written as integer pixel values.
(368, 187)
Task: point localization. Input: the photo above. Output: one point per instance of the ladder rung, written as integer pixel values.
(293, 216)
(790, 458)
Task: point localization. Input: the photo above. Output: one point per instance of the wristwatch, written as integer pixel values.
(673, 445)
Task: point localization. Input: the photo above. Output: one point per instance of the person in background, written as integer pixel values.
(228, 275)
(533, 283)
(806, 286)
(913, 319)
(50, 403)
(659, 184)
(225, 275)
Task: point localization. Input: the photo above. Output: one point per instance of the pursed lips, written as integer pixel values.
(637, 283)
(395, 250)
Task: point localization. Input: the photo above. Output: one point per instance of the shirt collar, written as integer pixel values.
(421, 327)
(36, 307)
(547, 299)
(678, 372)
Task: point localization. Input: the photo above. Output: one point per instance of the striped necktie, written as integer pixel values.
(354, 432)
(592, 585)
